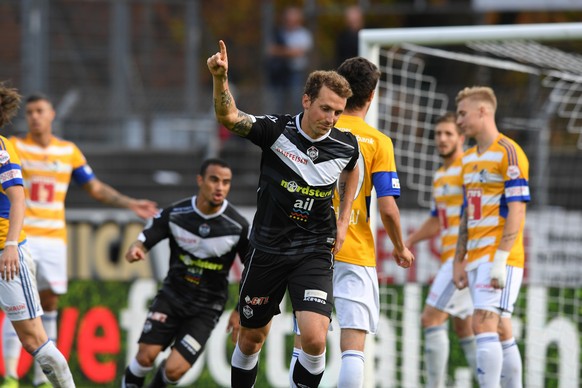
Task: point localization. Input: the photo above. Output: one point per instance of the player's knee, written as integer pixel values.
(313, 344)
(145, 358)
(175, 370)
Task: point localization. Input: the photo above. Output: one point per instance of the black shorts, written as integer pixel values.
(308, 277)
(167, 323)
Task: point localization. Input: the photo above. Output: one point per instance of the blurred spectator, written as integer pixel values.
(287, 62)
(346, 45)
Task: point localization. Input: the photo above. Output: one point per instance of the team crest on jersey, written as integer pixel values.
(204, 230)
(313, 153)
(147, 327)
(483, 176)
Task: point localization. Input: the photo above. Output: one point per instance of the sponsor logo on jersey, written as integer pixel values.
(4, 157)
(513, 172)
(367, 140)
(313, 153)
(293, 187)
(189, 261)
(395, 183)
(290, 156)
(315, 296)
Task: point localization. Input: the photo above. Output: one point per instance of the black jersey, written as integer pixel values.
(296, 184)
(202, 250)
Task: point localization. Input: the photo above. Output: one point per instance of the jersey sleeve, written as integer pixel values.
(156, 229)
(384, 175)
(355, 155)
(82, 172)
(266, 129)
(515, 171)
(10, 168)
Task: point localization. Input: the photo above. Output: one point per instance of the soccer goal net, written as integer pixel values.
(536, 72)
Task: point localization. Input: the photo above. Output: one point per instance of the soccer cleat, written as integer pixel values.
(10, 382)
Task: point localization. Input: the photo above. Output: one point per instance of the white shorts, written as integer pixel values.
(50, 257)
(19, 297)
(485, 297)
(444, 296)
(356, 296)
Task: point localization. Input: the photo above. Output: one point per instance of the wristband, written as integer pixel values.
(11, 243)
(498, 271)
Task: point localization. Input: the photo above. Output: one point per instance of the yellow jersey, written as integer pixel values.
(447, 194)
(377, 169)
(10, 175)
(491, 180)
(47, 172)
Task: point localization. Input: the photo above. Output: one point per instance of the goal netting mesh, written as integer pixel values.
(536, 72)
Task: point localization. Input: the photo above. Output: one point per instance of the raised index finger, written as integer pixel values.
(222, 47)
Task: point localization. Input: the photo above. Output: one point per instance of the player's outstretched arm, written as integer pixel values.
(106, 194)
(225, 108)
(136, 251)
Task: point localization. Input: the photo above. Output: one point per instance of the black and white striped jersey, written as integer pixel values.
(202, 250)
(296, 184)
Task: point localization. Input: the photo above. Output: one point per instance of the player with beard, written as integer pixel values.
(443, 299)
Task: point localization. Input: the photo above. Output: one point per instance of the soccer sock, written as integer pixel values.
(308, 370)
(436, 355)
(292, 364)
(512, 367)
(160, 379)
(135, 374)
(489, 359)
(469, 347)
(244, 369)
(54, 365)
(11, 348)
(49, 322)
(351, 370)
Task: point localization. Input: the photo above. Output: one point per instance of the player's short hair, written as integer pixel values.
(479, 93)
(38, 96)
(9, 103)
(448, 117)
(362, 76)
(212, 162)
(329, 78)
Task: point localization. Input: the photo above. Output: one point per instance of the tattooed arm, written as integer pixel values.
(513, 223)
(225, 108)
(459, 274)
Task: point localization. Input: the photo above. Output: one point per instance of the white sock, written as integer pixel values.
(489, 359)
(242, 361)
(54, 365)
(351, 373)
(292, 365)
(11, 348)
(49, 322)
(313, 364)
(436, 355)
(137, 369)
(469, 347)
(512, 368)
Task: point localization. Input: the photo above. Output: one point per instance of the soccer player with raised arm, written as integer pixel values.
(295, 232)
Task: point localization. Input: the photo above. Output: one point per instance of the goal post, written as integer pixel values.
(536, 72)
